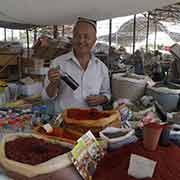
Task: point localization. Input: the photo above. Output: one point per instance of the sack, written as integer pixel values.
(61, 134)
(94, 130)
(131, 87)
(95, 126)
(27, 170)
(111, 116)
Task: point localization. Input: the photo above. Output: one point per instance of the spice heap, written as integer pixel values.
(115, 164)
(59, 132)
(32, 151)
(84, 114)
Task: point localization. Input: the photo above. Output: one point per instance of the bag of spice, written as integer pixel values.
(27, 156)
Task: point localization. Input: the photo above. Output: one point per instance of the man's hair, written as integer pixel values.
(86, 20)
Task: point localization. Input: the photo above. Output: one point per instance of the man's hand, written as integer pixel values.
(95, 100)
(54, 75)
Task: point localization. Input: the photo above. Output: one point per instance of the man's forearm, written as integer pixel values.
(52, 89)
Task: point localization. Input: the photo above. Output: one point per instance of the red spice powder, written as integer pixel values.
(32, 151)
(115, 165)
(86, 114)
(59, 132)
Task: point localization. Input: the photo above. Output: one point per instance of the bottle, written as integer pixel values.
(36, 116)
(44, 114)
(68, 79)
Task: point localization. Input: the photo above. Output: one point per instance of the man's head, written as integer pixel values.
(84, 36)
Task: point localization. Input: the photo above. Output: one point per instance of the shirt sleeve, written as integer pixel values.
(105, 87)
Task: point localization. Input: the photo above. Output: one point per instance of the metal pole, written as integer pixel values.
(147, 33)
(12, 35)
(155, 35)
(110, 36)
(5, 34)
(35, 35)
(55, 32)
(134, 34)
(108, 58)
(27, 36)
(63, 30)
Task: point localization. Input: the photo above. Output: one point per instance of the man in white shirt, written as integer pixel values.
(88, 71)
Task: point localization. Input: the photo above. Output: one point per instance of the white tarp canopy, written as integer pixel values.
(58, 12)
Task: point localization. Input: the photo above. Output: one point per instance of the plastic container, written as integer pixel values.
(167, 98)
(152, 132)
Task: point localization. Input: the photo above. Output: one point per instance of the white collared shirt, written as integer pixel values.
(93, 81)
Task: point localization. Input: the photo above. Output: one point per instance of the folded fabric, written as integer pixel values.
(141, 167)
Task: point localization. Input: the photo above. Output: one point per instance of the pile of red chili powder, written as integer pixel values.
(86, 114)
(115, 165)
(32, 151)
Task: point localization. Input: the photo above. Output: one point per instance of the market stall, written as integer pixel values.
(138, 129)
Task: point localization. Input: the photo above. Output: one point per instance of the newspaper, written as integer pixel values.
(86, 154)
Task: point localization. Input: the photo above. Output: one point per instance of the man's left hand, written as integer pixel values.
(95, 100)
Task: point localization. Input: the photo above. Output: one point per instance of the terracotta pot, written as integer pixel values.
(152, 134)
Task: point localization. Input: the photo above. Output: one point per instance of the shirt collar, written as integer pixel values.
(73, 58)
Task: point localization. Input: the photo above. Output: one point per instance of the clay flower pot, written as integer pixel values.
(152, 132)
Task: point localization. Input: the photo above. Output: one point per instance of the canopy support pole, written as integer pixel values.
(5, 34)
(108, 58)
(35, 35)
(27, 36)
(63, 30)
(147, 32)
(110, 36)
(12, 35)
(155, 36)
(134, 34)
(55, 32)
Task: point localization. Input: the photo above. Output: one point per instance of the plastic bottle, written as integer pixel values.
(44, 114)
(36, 116)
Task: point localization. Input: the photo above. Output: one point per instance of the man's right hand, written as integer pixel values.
(53, 75)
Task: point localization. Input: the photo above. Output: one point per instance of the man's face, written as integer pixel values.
(84, 37)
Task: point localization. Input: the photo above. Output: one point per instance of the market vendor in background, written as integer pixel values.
(88, 71)
(175, 71)
(138, 63)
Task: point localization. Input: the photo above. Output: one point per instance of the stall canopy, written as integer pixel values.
(48, 12)
(12, 25)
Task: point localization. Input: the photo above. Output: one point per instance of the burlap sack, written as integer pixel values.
(27, 170)
(74, 133)
(88, 123)
(131, 87)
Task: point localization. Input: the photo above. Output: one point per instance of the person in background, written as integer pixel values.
(125, 56)
(138, 63)
(88, 71)
(175, 71)
(157, 74)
